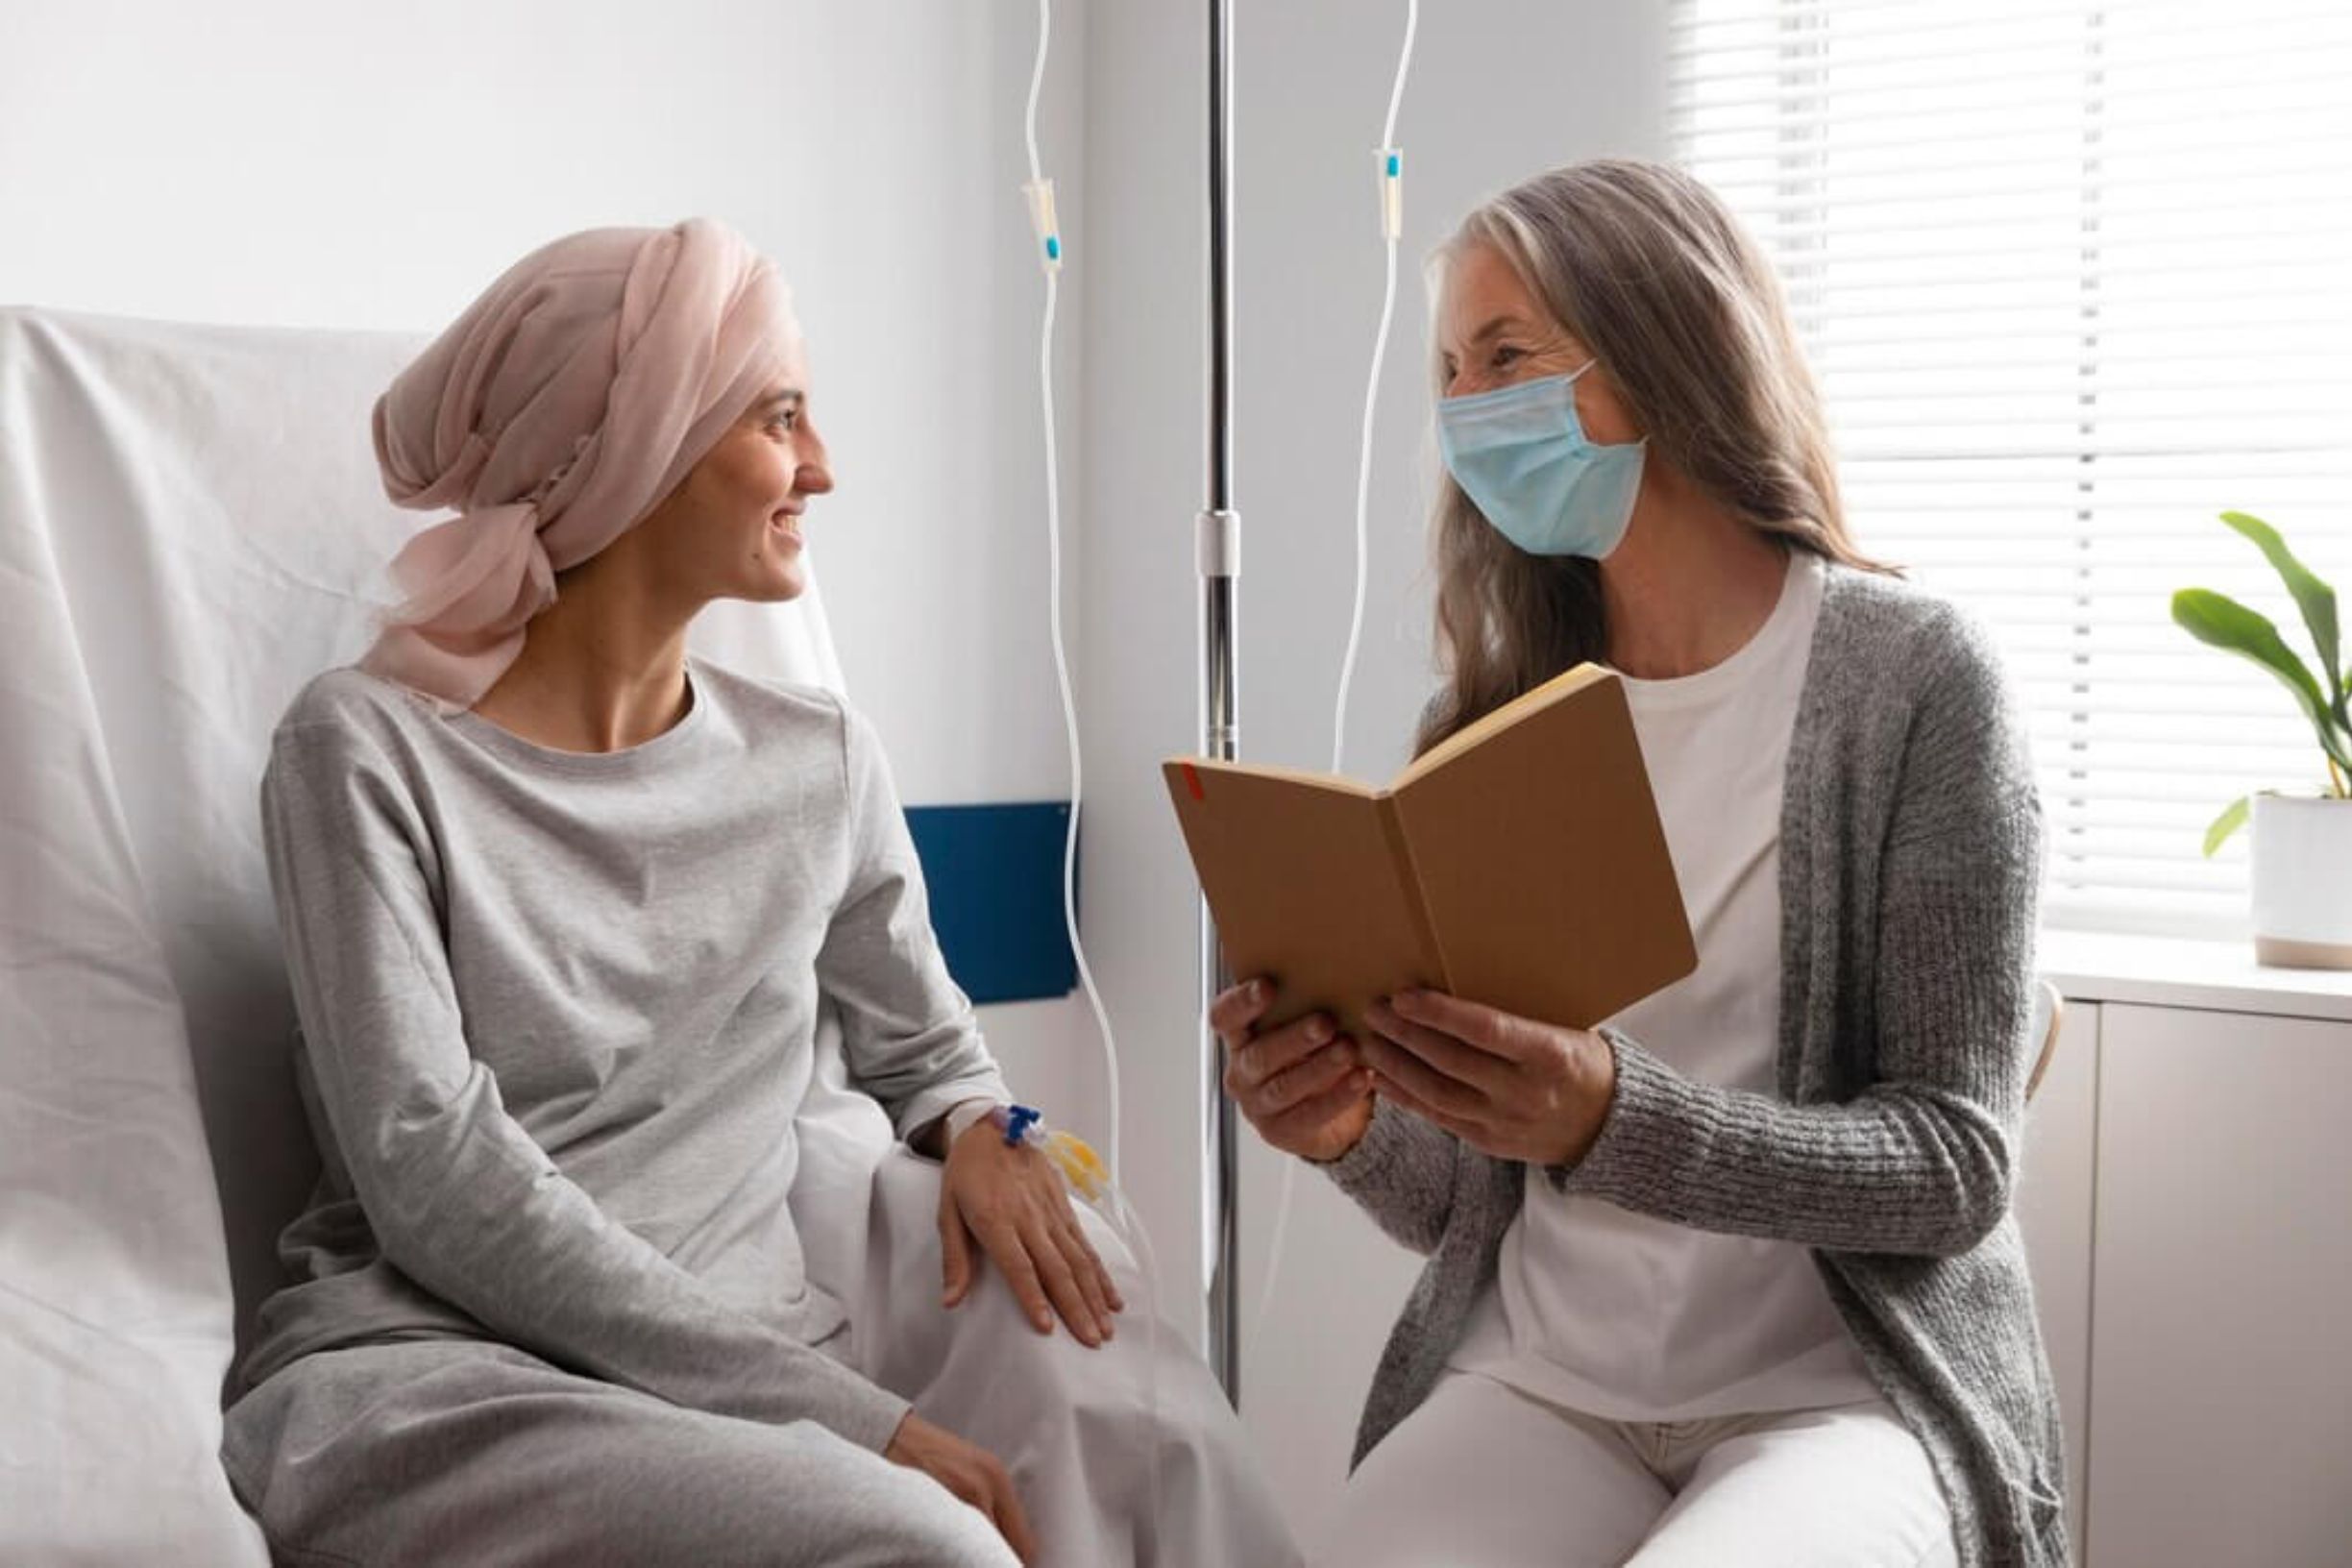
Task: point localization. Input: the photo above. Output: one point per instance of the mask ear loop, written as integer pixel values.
(1641, 440)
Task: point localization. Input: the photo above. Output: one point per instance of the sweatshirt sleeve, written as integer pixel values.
(459, 1196)
(907, 1029)
(1920, 1163)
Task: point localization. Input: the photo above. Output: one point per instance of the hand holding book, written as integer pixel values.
(1508, 1086)
(1513, 1087)
(1302, 1085)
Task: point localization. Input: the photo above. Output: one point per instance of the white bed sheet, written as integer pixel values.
(190, 526)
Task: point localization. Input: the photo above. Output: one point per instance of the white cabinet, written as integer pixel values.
(2053, 1209)
(2220, 1375)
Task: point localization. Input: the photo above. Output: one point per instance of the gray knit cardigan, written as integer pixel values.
(1910, 856)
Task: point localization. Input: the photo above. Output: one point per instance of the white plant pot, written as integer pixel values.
(2303, 881)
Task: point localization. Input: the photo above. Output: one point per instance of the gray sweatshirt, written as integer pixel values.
(1911, 852)
(557, 1014)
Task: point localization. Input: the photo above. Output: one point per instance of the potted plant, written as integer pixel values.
(2302, 843)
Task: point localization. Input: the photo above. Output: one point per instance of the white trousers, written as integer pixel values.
(1482, 1476)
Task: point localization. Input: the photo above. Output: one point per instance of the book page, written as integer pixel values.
(1543, 866)
(1555, 690)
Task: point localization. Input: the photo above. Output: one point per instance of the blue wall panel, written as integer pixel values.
(994, 875)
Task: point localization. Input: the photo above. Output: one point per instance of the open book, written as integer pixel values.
(1519, 864)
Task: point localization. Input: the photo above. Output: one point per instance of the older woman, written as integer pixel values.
(1733, 1278)
(562, 907)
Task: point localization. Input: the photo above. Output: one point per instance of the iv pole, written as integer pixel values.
(1220, 563)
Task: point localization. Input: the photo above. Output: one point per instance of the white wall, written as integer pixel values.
(1500, 90)
(291, 162)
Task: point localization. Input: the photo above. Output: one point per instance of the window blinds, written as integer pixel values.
(2074, 278)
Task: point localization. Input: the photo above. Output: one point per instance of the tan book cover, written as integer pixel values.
(1520, 864)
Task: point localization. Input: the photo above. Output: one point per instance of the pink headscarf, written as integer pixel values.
(556, 412)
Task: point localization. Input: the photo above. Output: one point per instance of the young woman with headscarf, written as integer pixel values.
(562, 907)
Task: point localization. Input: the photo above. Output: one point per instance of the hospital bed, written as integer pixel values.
(191, 528)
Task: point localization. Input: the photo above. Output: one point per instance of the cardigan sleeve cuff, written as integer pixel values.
(1386, 1143)
(1649, 1123)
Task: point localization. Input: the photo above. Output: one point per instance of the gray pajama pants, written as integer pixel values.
(480, 1454)
(442, 1454)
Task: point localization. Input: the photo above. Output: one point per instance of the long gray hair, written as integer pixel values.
(1654, 275)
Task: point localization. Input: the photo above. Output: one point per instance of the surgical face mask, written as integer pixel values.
(1520, 454)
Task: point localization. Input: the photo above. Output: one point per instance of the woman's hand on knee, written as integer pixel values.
(967, 1470)
(1015, 1206)
(1303, 1086)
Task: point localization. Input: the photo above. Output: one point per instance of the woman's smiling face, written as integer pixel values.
(1492, 332)
(732, 529)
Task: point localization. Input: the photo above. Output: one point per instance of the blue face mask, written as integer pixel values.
(1520, 454)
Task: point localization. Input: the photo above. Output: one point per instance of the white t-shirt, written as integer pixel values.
(1617, 1314)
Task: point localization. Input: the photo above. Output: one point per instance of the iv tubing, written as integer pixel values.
(1039, 195)
(1041, 214)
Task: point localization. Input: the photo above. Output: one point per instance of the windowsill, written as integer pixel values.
(2175, 971)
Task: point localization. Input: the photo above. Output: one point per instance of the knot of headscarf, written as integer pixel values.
(555, 413)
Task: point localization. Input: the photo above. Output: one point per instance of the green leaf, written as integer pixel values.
(2233, 817)
(2313, 597)
(2227, 624)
